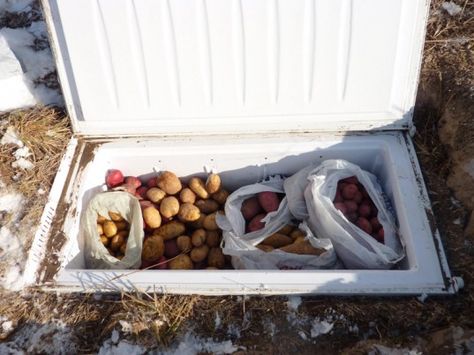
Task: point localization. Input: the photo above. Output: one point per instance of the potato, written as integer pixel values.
(187, 195)
(170, 230)
(169, 207)
(104, 240)
(352, 216)
(110, 229)
(364, 210)
(168, 182)
(120, 257)
(155, 194)
(351, 180)
(197, 224)
(302, 248)
(115, 216)
(151, 182)
(209, 222)
(152, 217)
(100, 229)
(338, 197)
(213, 183)
(265, 248)
(153, 248)
(198, 237)
(207, 206)
(123, 234)
(358, 197)
(220, 196)
(256, 224)
(268, 200)
(116, 242)
(300, 239)
(123, 248)
(184, 243)
(181, 262)
(381, 235)
(211, 268)
(277, 240)
(351, 206)
(374, 221)
(213, 239)
(198, 188)
(286, 230)
(250, 208)
(349, 191)
(198, 254)
(216, 258)
(122, 225)
(188, 212)
(101, 219)
(141, 192)
(297, 233)
(341, 206)
(364, 224)
(171, 248)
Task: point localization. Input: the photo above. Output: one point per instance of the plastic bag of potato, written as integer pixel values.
(305, 253)
(257, 226)
(346, 205)
(96, 254)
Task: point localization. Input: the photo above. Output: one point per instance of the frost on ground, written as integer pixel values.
(189, 344)
(50, 338)
(25, 61)
(451, 8)
(12, 254)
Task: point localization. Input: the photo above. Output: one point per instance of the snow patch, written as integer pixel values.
(319, 327)
(217, 321)
(50, 338)
(15, 5)
(384, 350)
(451, 8)
(22, 163)
(23, 65)
(11, 137)
(12, 255)
(294, 302)
(113, 346)
(190, 344)
(469, 168)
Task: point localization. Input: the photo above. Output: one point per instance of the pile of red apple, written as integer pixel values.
(355, 203)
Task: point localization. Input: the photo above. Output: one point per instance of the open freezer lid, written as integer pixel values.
(236, 66)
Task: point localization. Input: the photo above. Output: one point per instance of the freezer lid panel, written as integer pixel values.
(237, 65)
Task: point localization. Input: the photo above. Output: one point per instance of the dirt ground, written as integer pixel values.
(260, 325)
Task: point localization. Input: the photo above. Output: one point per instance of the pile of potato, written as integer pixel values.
(289, 239)
(355, 203)
(113, 233)
(180, 220)
(255, 208)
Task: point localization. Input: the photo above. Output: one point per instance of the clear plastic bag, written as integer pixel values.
(355, 248)
(96, 254)
(242, 246)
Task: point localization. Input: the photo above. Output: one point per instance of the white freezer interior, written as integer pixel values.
(244, 160)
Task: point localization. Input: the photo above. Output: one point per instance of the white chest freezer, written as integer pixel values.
(249, 88)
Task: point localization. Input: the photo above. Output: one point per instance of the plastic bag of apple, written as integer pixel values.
(260, 232)
(179, 219)
(346, 204)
